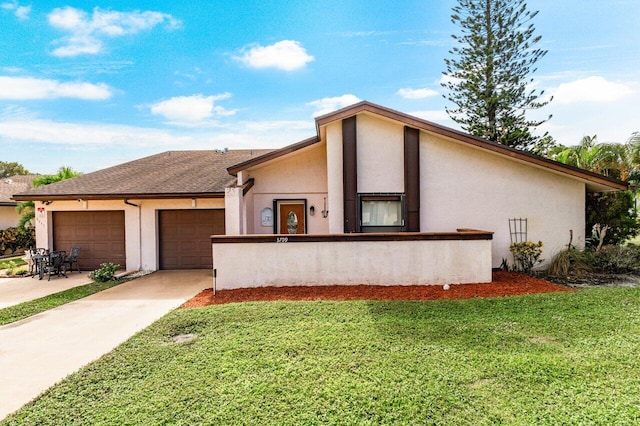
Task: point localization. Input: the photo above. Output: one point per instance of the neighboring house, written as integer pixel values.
(368, 169)
(9, 217)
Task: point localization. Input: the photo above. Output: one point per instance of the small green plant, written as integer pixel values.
(504, 265)
(104, 273)
(526, 255)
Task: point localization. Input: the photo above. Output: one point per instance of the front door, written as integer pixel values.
(291, 215)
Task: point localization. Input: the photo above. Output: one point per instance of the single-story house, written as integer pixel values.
(368, 169)
(9, 216)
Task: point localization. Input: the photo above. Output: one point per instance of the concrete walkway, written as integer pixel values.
(17, 290)
(39, 351)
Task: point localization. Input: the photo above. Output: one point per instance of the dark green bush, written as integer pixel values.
(14, 240)
(617, 211)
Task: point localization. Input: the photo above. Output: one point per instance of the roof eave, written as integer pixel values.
(233, 170)
(457, 135)
(133, 196)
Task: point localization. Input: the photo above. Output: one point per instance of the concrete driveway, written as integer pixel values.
(17, 290)
(39, 351)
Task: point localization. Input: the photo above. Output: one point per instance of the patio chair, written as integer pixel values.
(73, 259)
(34, 258)
(54, 265)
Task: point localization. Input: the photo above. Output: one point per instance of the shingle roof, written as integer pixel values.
(171, 174)
(12, 185)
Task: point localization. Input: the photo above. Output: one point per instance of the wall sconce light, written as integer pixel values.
(194, 203)
(325, 212)
(312, 210)
(85, 204)
(46, 203)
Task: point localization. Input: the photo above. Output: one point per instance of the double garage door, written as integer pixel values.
(183, 236)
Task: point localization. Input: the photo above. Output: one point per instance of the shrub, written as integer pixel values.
(526, 255)
(607, 260)
(617, 211)
(571, 262)
(104, 273)
(16, 239)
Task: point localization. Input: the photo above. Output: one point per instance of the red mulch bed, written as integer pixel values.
(503, 284)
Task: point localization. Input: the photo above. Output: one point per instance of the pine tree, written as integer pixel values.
(490, 71)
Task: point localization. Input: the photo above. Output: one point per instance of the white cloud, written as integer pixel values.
(48, 131)
(327, 105)
(590, 89)
(408, 93)
(85, 32)
(287, 55)
(26, 88)
(191, 110)
(21, 12)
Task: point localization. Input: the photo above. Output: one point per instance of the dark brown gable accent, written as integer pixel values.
(412, 177)
(350, 174)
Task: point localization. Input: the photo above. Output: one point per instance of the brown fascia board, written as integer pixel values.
(61, 197)
(233, 170)
(412, 121)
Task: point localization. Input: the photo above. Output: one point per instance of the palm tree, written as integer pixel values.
(585, 155)
(621, 161)
(27, 208)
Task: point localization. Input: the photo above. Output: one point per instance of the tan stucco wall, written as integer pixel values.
(380, 155)
(303, 175)
(351, 263)
(9, 217)
(461, 187)
(141, 224)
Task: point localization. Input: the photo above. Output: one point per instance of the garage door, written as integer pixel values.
(184, 237)
(100, 236)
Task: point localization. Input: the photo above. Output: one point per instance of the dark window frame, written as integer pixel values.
(392, 196)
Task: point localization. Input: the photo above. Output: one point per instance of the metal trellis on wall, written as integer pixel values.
(518, 230)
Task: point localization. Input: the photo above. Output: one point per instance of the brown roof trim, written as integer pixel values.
(462, 234)
(233, 170)
(63, 197)
(247, 186)
(421, 124)
(412, 121)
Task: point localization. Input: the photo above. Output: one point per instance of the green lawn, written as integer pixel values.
(569, 358)
(27, 309)
(12, 262)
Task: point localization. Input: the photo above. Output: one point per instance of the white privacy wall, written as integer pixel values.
(465, 187)
(351, 263)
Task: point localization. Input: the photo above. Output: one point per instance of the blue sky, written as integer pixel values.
(93, 84)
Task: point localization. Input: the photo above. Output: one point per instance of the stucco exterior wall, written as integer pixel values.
(334, 178)
(464, 187)
(461, 187)
(303, 175)
(380, 150)
(351, 263)
(9, 217)
(141, 224)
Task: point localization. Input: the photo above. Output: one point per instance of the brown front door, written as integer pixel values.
(291, 218)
